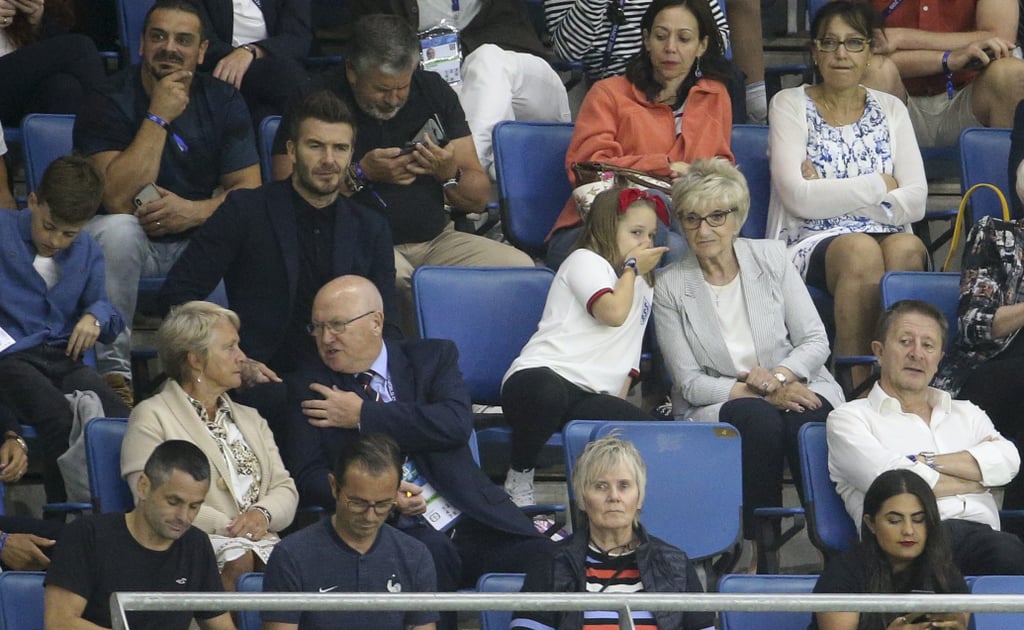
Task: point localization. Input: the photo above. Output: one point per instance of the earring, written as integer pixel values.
(696, 68)
(199, 379)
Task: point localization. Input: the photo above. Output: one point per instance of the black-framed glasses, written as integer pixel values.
(851, 44)
(616, 14)
(692, 220)
(335, 327)
(359, 506)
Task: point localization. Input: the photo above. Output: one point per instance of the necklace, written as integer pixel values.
(618, 550)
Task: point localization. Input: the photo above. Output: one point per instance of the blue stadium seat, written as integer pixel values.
(829, 526)
(103, 438)
(758, 584)
(498, 583)
(21, 600)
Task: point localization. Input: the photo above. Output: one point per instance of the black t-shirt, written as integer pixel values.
(846, 573)
(415, 212)
(97, 556)
(215, 127)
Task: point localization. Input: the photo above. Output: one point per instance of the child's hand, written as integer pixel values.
(83, 337)
(646, 257)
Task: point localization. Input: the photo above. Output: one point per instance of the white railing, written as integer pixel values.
(121, 602)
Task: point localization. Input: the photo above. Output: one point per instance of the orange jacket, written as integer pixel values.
(618, 125)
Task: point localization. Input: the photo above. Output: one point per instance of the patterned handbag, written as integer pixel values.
(962, 212)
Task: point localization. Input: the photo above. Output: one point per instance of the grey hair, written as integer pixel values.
(186, 329)
(603, 454)
(384, 42)
(711, 184)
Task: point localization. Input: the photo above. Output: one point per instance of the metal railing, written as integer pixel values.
(654, 602)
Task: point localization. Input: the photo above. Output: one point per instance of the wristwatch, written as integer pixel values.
(251, 49)
(454, 180)
(631, 264)
(780, 377)
(929, 458)
(11, 435)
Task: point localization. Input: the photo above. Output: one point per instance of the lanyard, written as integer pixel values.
(455, 7)
(892, 7)
(617, 16)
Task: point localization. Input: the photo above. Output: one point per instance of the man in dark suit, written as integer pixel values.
(275, 246)
(414, 393)
(258, 47)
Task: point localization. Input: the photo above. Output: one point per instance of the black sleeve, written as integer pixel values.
(73, 564)
(696, 620)
(1016, 156)
(291, 34)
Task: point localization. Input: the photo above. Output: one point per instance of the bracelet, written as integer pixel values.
(631, 264)
(3, 541)
(948, 73)
(264, 511)
(167, 127)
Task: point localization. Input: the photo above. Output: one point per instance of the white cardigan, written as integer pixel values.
(795, 198)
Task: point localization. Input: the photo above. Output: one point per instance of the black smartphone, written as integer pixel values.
(977, 64)
(920, 618)
(432, 128)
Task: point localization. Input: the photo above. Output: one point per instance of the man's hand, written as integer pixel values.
(83, 337)
(431, 159)
(388, 165)
(232, 67)
(410, 499)
(170, 214)
(23, 552)
(256, 372)
(170, 95)
(251, 524)
(977, 53)
(13, 461)
(339, 408)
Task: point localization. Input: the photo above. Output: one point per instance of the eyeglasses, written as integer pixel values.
(358, 506)
(616, 14)
(831, 44)
(717, 218)
(335, 327)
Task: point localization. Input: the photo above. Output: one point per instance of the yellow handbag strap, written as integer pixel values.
(958, 227)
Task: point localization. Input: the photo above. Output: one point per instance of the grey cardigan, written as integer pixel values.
(785, 326)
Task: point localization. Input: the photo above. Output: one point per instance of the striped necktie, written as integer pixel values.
(368, 393)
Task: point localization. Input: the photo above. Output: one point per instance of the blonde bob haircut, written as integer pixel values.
(713, 184)
(602, 455)
(186, 329)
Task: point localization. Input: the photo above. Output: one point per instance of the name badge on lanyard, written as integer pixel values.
(440, 50)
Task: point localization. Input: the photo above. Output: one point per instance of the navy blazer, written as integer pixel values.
(289, 29)
(252, 243)
(430, 419)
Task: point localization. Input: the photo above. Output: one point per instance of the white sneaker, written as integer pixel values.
(519, 486)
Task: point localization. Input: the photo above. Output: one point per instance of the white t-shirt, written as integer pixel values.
(573, 343)
(731, 308)
(249, 25)
(48, 268)
(433, 11)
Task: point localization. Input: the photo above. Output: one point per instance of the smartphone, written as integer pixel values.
(148, 193)
(976, 64)
(920, 618)
(432, 128)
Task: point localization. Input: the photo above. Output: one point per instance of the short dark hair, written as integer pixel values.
(176, 455)
(322, 105)
(859, 15)
(72, 189)
(187, 6)
(904, 307)
(375, 452)
(385, 42)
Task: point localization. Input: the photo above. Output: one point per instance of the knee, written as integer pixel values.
(1005, 77)
(116, 231)
(904, 252)
(856, 257)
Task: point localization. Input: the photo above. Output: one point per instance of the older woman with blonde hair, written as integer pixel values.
(739, 333)
(252, 495)
(610, 552)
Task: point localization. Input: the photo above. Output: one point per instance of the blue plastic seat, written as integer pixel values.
(829, 526)
(103, 438)
(249, 583)
(939, 289)
(759, 584)
(750, 148)
(996, 585)
(21, 600)
(265, 142)
(498, 583)
(984, 154)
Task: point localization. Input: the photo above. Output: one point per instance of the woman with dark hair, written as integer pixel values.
(903, 548)
(670, 108)
(43, 68)
(847, 176)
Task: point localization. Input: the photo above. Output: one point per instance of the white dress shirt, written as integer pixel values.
(869, 436)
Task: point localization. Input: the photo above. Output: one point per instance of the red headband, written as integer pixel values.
(629, 196)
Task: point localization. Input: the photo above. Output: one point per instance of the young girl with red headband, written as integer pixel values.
(584, 356)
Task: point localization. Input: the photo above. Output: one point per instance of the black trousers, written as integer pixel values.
(980, 550)
(537, 402)
(33, 383)
(769, 439)
(51, 76)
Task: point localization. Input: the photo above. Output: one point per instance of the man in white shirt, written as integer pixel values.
(904, 423)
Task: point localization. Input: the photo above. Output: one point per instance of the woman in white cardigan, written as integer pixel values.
(739, 333)
(847, 176)
(252, 495)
